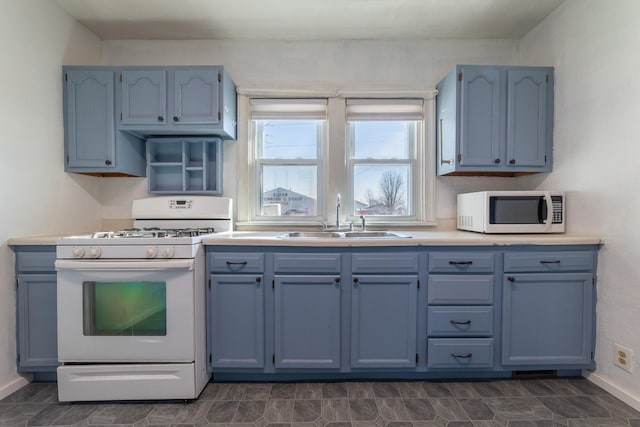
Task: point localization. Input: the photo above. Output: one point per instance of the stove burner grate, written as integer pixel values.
(154, 232)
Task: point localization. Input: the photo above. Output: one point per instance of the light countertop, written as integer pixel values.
(418, 238)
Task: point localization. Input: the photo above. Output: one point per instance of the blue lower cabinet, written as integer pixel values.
(456, 353)
(237, 321)
(547, 319)
(37, 322)
(383, 321)
(307, 321)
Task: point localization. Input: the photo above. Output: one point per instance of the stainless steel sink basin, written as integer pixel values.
(344, 235)
(312, 234)
(373, 234)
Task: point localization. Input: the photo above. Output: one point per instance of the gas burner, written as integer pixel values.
(153, 232)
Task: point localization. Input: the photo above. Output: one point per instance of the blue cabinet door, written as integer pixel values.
(384, 321)
(526, 117)
(481, 93)
(237, 321)
(547, 319)
(89, 119)
(196, 96)
(307, 321)
(143, 96)
(37, 322)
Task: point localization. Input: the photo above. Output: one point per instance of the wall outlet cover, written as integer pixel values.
(623, 357)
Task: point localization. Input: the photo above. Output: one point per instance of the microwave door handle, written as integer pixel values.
(549, 222)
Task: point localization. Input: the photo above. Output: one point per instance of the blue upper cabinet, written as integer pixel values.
(176, 101)
(494, 120)
(92, 145)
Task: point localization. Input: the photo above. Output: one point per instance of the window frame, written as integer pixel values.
(334, 179)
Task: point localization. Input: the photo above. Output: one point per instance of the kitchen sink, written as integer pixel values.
(373, 234)
(343, 235)
(312, 234)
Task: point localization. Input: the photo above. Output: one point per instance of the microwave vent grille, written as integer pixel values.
(465, 221)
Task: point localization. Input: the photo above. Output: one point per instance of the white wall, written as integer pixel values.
(348, 65)
(594, 46)
(36, 38)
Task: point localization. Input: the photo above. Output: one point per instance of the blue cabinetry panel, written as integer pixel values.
(144, 96)
(383, 321)
(319, 263)
(445, 321)
(236, 262)
(307, 321)
(547, 319)
(494, 120)
(549, 262)
(459, 289)
(237, 321)
(371, 263)
(461, 262)
(460, 353)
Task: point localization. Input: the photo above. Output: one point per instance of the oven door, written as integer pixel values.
(126, 311)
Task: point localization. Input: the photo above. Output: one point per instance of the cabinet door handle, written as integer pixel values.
(511, 279)
(337, 280)
(258, 279)
(457, 322)
(442, 160)
(107, 162)
(160, 119)
(496, 161)
(512, 161)
(355, 280)
(237, 262)
(176, 119)
(460, 262)
(462, 356)
(550, 261)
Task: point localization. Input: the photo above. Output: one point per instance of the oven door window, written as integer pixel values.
(124, 308)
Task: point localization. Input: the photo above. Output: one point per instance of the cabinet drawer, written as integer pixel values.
(385, 263)
(548, 261)
(457, 290)
(456, 262)
(35, 261)
(306, 263)
(460, 353)
(459, 321)
(236, 262)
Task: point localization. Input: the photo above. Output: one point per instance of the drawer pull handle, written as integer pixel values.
(457, 322)
(462, 356)
(460, 262)
(237, 263)
(511, 279)
(549, 261)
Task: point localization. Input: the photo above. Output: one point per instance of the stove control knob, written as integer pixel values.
(95, 252)
(168, 252)
(78, 252)
(151, 252)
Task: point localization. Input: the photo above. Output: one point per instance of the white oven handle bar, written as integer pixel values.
(174, 264)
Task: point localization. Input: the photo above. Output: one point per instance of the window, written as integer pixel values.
(288, 144)
(303, 152)
(382, 156)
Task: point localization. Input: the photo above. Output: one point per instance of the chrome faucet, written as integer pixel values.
(338, 212)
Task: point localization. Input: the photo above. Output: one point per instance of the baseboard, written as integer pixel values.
(621, 394)
(13, 386)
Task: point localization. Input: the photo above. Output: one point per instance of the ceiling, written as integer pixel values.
(308, 19)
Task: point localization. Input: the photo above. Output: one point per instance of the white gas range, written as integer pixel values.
(131, 303)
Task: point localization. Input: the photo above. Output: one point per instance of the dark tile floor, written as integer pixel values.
(514, 403)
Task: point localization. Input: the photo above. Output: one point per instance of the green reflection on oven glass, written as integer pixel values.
(128, 308)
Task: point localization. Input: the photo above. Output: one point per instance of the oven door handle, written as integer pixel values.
(120, 265)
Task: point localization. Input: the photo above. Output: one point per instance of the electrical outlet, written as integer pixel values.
(623, 357)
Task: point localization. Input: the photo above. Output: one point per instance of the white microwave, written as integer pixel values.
(512, 211)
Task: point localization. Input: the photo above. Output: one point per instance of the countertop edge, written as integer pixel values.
(431, 238)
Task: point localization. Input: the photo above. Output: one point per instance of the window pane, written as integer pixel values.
(287, 139)
(381, 190)
(381, 139)
(125, 308)
(289, 190)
